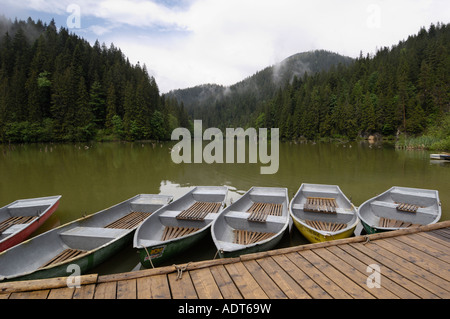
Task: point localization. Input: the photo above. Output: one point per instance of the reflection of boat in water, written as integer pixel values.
(441, 156)
(440, 162)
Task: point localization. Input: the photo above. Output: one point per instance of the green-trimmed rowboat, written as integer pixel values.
(400, 207)
(255, 222)
(85, 242)
(179, 225)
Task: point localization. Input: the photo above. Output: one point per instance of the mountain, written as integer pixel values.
(211, 102)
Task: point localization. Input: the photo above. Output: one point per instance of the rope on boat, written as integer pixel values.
(217, 252)
(180, 270)
(149, 258)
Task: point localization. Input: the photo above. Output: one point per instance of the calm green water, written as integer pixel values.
(92, 177)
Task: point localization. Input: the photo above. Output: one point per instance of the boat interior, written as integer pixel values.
(86, 234)
(400, 208)
(324, 208)
(192, 212)
(20, 214)
(257, 215)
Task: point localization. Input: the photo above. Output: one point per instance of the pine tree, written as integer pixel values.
(110, 107)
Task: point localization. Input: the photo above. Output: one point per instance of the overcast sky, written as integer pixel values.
(190, 42)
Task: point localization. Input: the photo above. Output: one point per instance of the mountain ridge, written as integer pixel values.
(259, 87)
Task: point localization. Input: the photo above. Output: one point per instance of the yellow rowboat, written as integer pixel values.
(322, 213)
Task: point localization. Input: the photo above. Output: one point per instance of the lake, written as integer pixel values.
(94, 176)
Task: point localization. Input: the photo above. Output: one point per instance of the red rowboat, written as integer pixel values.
(21, 218)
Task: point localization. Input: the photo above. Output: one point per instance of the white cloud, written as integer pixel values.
(190, 42)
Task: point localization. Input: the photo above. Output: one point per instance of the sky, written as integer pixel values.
(185, 43)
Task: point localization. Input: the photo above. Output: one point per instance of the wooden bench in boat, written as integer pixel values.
(377, 205)
(63, 256)
(410, 208)
(171, 232)
(389, 222)
(325, 226)
(129, 221)
(199, 210)
(260, 211)
(320, 205)
(247, 237)
(15, 220)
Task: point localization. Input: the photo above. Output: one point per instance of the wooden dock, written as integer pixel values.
(412, 263)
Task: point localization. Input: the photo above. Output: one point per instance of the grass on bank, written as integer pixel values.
(436, 138)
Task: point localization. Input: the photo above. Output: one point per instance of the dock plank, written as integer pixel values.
(61, 293)
(314, 273)
(355, 270)
(425, 246)
(126, 289)
(390, 280)
(264, 280)
(333, 274)
(182, 288)
(414, 275)
(289, 286)
(415, 256)
(37, 294)
(153, 287)
(225, 283)
(106, 290)
(84, 292)
(244, 281)
(435, 241)
(313, 289)
(205, 284)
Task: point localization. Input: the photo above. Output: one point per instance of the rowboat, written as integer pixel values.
(400, 207)
(83, 243)
(255, 222)
(440, 156)
(21, 218)
(179, 225)
(322, 213)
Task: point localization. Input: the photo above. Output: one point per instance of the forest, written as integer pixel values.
(56, 87)
(402, 92)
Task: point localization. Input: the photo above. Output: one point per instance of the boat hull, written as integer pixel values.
(26, 232)
(164, 251)
(372, 230)
(316, 237)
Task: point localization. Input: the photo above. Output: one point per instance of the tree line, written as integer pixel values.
(401, 90)
(55, 86)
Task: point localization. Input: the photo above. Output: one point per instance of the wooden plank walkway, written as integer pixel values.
(412, 263)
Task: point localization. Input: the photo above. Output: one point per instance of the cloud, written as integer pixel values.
(190, 42)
